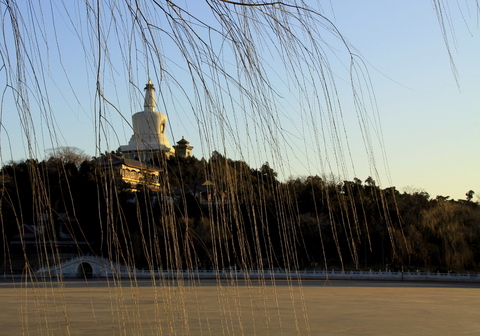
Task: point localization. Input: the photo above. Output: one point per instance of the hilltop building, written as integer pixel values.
(149, 138)
(130, 175)
(183, 149)
(149, 126)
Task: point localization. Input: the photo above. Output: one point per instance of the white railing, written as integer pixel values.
(312, 275)
(104, 268)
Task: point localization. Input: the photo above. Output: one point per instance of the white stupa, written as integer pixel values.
(148, 137)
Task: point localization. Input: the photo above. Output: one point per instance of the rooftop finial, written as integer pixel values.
(150, 105)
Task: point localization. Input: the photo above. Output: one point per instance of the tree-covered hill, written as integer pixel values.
(220, 213)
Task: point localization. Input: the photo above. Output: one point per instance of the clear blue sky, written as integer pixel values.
(429, 125)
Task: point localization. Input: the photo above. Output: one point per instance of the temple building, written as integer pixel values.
(129, 174)
(183, 149)
(149, 136)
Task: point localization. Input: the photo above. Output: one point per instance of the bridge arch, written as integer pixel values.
(84, 270)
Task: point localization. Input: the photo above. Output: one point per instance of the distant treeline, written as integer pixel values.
(243, 218)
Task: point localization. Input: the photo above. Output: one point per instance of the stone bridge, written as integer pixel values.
(85, 267)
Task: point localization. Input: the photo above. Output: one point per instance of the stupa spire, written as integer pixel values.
(150, 104)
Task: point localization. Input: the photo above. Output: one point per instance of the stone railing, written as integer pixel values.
(312, 275)
(101, 267)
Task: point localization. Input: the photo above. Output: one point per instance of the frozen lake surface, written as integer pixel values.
(114, 307)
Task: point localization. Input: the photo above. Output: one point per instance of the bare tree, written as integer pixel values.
(67, 154)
